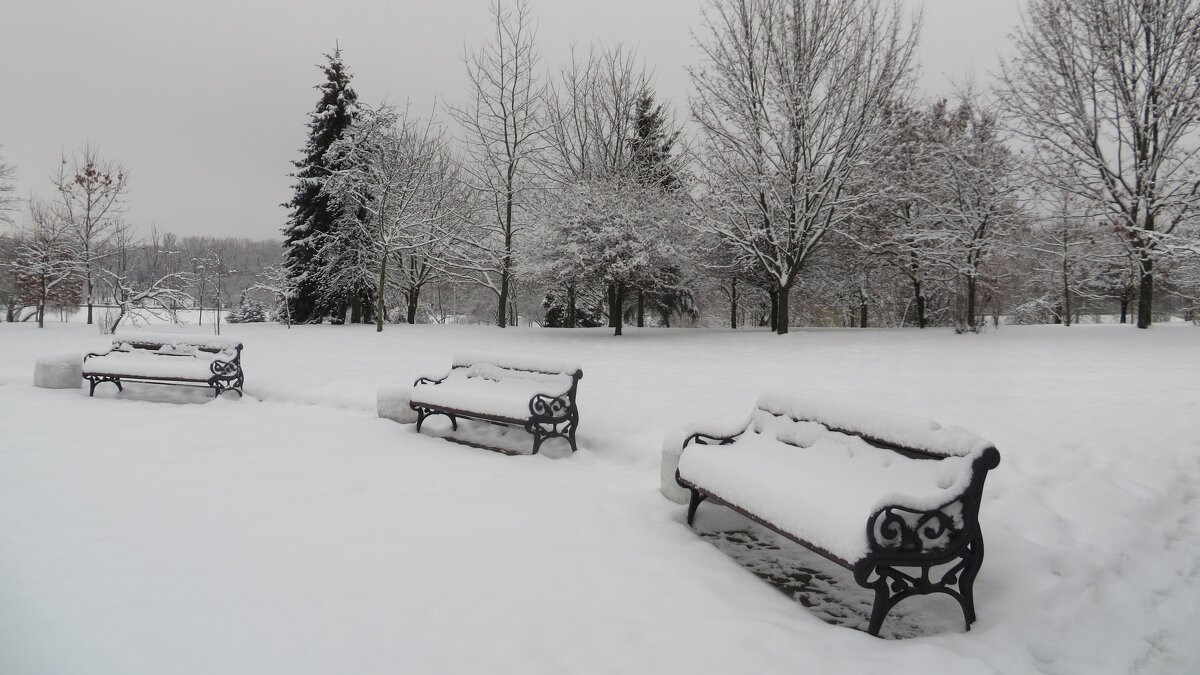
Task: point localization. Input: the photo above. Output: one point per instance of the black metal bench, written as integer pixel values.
(188, 360)
(538, 397)
(920, 536)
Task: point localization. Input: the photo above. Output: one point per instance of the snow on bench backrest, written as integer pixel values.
(215, 343)
(880, 427)
(531, 367)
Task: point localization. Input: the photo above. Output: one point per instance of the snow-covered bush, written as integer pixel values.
(248, 310)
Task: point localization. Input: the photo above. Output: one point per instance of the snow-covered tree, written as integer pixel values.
(791, 100)
(46, 262)
(312, 216)
(616, 234)
(502, 124)
(92, 194)
(972, 207)
(396, 185)
(1107, 93)
(276, 282)
(248, 310)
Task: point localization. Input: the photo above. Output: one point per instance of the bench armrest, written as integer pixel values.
(430, 380)
(702, 438)
(903, 529)
(223, 368)
(547, 407)
(91, 354)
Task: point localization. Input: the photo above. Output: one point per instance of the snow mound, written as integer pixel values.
(59, 371)
(391, 403)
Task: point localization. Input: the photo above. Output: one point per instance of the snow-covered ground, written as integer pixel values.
(293, 531)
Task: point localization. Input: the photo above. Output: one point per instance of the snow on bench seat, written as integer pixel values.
(152, 365)
(538, 395)
(818, 484)
(490, 391)
(169, 358)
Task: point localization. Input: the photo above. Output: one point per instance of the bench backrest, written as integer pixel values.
(176, 344)
(558, 376)
(909, 436)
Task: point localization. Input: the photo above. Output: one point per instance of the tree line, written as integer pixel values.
(808, 185)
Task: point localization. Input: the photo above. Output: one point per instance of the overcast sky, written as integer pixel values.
(205, 101)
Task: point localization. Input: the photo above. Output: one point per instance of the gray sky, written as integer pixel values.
(206, 101)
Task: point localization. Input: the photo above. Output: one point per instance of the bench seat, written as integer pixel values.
(538, 396)
(825, 490)
(894, 499)
(204, 360)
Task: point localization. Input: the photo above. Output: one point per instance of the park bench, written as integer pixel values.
(891, 498)
(189, 360)
(538, 396)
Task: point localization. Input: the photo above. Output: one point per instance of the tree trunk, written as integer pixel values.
(381, 309)
(862, 310)
(1145, 294)
(774, 321)
(41, 312)
(414, 298)
(614, 318)
(1125, 308)
(782, 319)
(618, 304)
(571, 319)
(356, 309)
(90, 289)
(971, 303)
(733, 303)
(641, 322)
(920, 298)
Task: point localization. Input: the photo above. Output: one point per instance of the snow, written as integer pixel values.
(817, 484)
(161, 530)
(61, 371)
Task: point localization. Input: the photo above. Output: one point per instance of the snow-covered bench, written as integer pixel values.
(537, 395)
(894, 499)
(199, 360)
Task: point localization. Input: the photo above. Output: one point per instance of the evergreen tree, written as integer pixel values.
(653, 144)
(314, 214)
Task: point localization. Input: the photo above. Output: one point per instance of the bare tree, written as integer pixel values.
(429, 253)
(1108, 94)
(92, 191)
(790, 101)
(502, 125)
(8, 198)
(136, 294)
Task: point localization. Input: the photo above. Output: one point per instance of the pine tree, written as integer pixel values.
(653, 144)
(314, 215)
